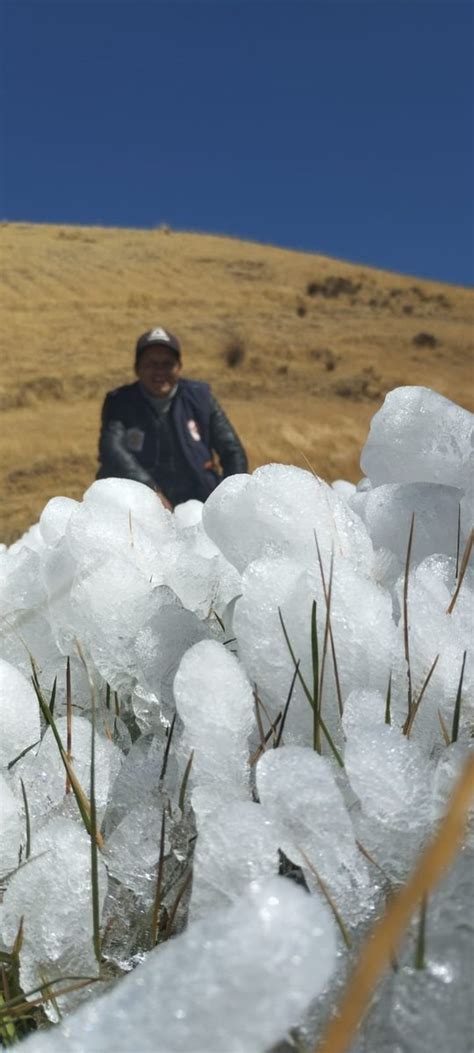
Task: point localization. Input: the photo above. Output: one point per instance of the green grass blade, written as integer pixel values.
(52, 701)
(407, 727)
(68, 720)
(420, 950)
(22, 754)
(182, 792)
(457, 704)
(458, 541)
(159, 882)
(81, 799)
(315, 663)
(167, 748)
(287, 706)
(93, 841)
(184, 886)
(388, 701)
(406, 635)
(27, 820)
(296, 664)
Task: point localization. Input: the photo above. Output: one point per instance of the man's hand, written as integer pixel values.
(164, 500)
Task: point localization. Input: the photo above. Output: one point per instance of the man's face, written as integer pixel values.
(158, 370)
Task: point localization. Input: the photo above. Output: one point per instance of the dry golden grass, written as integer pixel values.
(314, 370)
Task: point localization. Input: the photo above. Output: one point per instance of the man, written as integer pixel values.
(163, 430)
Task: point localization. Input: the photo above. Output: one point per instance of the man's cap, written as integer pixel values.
(157, 338)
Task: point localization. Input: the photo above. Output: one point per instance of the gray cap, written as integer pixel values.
(157, 337)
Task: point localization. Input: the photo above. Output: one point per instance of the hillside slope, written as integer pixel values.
(300, 348)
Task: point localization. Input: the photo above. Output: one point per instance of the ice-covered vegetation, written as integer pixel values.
(227, 734)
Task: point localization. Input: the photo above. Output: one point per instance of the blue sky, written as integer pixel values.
(336, 127)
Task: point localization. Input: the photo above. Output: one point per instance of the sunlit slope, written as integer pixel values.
(300, 348)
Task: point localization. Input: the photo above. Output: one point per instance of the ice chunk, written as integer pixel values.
(55, 517)
(188, 514)
(237, 844)
(419, 436)
(277, 511)
(138, 781)
(214, 700)
(11, 829)
(261, 961)
(387, 512)
(133, 850)
(159, 648)
(297, 788)
(343, 488)
(45, 778)
(389, 773)
(19, 714)
(123, 517)
(52, 893)
(110, 604)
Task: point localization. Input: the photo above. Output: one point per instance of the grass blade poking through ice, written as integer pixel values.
(315, 661)
(93, 840)
(68, 720)
(327, 597)
(416, 704)
(406, 635)
(421, 936)
(304, 685)
(388, 701)
(444, 730)
(81, 799)
(182, 792)
(457, 704)
(329, 900)
(340, 1032)
(167, 748)
(287, 706)
(182, 890)
(27, 821)
(464, 565)
(155, 917)
(458, 541)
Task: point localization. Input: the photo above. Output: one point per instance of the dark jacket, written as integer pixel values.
(172, 451)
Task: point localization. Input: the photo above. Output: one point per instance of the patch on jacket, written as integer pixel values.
(193, 430)
(135, 439)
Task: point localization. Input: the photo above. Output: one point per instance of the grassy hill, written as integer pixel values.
(300, 348)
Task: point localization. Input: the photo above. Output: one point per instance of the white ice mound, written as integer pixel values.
(123, 517)
(55, 517)
(389, 773)
(298, 790)
(387, 513)
(52, 892)
(419, 436)
(215, 702)
(277, 511)
(236, 845)
(19, 714)
(235, 982)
